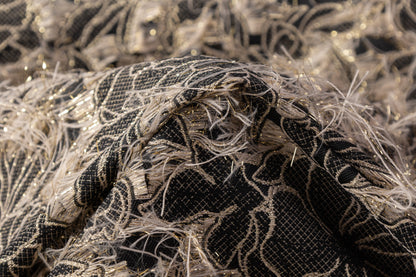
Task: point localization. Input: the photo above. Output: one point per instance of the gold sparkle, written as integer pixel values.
(152, 32)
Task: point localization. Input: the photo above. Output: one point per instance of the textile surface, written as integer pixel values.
(128, 149)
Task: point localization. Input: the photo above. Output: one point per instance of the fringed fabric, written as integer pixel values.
(127, 149)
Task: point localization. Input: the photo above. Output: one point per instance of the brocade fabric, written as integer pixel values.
(128, 149)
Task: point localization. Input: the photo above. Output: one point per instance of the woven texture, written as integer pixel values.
(203, 166)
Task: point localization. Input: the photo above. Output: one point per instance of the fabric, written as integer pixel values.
(128, 149)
